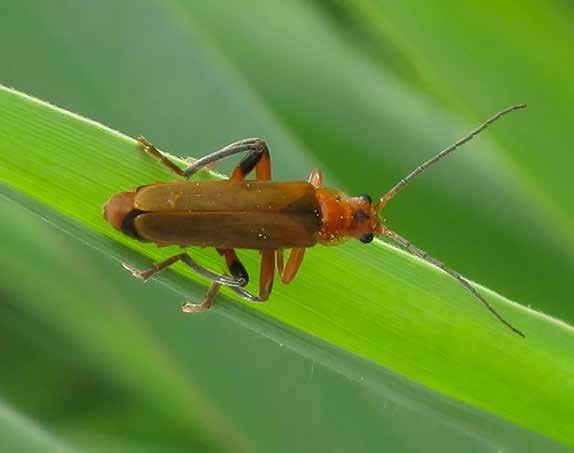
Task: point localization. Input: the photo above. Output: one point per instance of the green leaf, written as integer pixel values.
(271, 365)
(395, 310)
(517, 55)
(303, 376)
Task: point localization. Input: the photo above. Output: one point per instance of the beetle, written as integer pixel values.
(259, 214)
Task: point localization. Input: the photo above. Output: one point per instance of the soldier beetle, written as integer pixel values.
(259, 214)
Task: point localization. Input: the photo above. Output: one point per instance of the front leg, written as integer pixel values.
(292, 266)
(295, 259)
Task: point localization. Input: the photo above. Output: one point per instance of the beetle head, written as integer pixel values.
(366, 222)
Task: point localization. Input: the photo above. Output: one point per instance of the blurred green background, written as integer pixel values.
(363, 89)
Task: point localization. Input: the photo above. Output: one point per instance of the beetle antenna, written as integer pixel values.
(406, 244)
(444, 153)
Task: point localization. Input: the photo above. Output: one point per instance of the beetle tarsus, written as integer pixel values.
(189, 307)
(154, 152)
(143, 141)
(142, 275)
(247, 295)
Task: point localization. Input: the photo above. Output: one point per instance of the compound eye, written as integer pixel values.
(366, 198)
(361, 216)
(366, 238)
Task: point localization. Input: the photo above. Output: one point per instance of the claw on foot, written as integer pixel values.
(135, 272)
(143, 141)
(188, 307)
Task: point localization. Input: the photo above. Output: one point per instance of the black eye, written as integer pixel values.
(366, 238)
(361, 216)
(366, 198)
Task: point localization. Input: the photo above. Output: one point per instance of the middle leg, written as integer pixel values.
(260, 161)
(266, 278)
(188, 307)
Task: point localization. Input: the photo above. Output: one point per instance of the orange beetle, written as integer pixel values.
(258, 214)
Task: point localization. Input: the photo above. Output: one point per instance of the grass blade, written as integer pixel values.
(392, 308)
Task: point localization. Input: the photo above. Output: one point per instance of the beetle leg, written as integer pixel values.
(152, 151)
(191, 160)
(236, 268)
(296, 256)
(293, 264)
(255, 146)
(260, 160)
(257, 159)
(266, 278)
(218, 278)
(157, 267)
(265, 285)
(279, 261)
(257, 149)
(188, 307)
(267, 274)
(185, 258)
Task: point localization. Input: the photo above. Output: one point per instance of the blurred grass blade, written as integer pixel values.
(19, 434)
(374, 301)
(468, 58)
